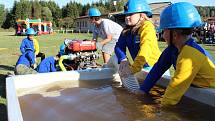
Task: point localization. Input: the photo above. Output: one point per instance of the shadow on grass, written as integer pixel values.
(3, 107)
(5, 67)
(10, 35)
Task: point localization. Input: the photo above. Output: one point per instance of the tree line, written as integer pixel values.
(50, 11)
(64, 17)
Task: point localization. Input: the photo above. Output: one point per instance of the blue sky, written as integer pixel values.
(9, 3)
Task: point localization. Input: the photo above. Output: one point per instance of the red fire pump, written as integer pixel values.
(82, 54)
(82, 45)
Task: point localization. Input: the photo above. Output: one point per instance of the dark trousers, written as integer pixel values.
(42, 55)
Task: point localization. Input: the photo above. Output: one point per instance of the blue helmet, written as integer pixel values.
(30, 31)
(94, 12)
(180, 15)
(137, 6)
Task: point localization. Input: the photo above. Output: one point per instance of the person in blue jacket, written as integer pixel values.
(63, 49)
(192, 63)
(139, 39)
(48, 64)
(28, 42)
(26, 63)
(31, 42)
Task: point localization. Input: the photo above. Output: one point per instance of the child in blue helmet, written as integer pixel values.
(64, 54)
(64, 47)
(31, 42)
(107, 30)
(48, 64)
(26, 63)
(28, 42)
(192, 63)
(139, 36)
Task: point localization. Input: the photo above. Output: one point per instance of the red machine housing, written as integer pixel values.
(81, 45)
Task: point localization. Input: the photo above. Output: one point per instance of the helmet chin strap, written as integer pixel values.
(137, 22)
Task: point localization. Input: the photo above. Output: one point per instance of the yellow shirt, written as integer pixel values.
(149, 51)
(36, 46)
(192, 67)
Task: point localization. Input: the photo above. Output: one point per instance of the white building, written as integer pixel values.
(82, 23)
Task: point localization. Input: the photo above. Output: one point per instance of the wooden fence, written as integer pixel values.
(70, 31)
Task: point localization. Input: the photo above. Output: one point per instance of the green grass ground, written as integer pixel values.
(49, 44)
(9, 51)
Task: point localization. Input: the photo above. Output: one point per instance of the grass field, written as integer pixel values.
(9, 51)
(49, 44)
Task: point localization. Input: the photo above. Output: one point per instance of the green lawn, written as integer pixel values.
(49, 44)
(9, 51)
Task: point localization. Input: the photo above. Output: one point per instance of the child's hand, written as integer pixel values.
(124, 69)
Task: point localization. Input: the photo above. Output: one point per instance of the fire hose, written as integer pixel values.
(69, 57)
